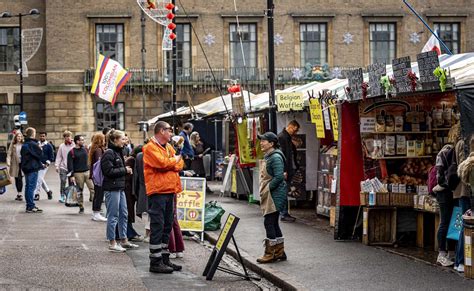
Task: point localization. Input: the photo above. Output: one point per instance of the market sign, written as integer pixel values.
(427, 63)
(367, 124)
(335, 122)
(376, 71)
(290, 101)
(355, 78)
(190, 204)
(317, 118)
(401, 68)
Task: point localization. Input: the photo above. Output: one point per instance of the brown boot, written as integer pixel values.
(280, 249)
(269, 255)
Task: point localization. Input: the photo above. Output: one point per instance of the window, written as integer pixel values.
(109, 41)
(9, 48)
(450, 33)
(110, 116)
(168, 108)
(248, 34)
(7, 112)
(183, 48)
(383, 42)
(313, 39)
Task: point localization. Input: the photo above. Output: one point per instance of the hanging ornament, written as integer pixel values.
(172, 36)
(348, 38)
(234, 89)
(414, 37)
(278, 39)
(169, 6)
(296, 74)
(172, 26)
(209, 39)
(170, 16)
(336, 73)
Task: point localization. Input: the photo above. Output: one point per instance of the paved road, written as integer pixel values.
(61, 249)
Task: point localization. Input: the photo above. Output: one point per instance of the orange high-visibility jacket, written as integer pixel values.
(161, 169)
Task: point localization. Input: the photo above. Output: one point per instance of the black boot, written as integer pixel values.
(167, 262)
(157, 266)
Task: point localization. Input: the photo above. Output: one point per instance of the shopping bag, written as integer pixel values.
(455, 225)
(212, 216)
(5, 179)
(72, 193)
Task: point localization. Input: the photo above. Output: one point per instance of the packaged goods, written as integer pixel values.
(389, 123)
(378, 148)
(380, 122)
(401, 145)
(411, 148)
(390, 146)
(447, 116)
(398, 123)
(420, 148)
(438, 117)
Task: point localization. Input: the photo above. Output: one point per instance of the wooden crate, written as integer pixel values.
(468, 253)
(379, 225)
(402, 199)
(381, 199)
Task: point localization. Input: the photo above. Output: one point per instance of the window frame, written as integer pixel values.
(107, 123)
(394, 24)
(304, 42)
(98, 44)
(251, 69)
(10, 117)
(14, 47)
(449, 42)
(183, 73)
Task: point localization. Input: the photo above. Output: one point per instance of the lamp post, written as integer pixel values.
(33, 12)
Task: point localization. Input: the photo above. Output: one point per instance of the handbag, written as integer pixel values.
(455, 225)
(72, 193)
(5, 179)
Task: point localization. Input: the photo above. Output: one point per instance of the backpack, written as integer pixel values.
(432, 180)
(97, 175)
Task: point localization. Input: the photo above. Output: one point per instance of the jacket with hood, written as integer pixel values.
(275, 165)
(31, 155)
(113, 168)
(466, 172)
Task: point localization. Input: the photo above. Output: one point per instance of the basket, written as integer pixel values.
(381, 199)
(402, 199)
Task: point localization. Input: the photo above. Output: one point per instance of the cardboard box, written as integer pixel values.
(402, 188)
(422, 190)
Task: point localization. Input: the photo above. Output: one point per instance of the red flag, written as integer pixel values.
(432, 45)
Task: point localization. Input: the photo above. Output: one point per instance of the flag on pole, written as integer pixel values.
(109, 78)
(432, 45)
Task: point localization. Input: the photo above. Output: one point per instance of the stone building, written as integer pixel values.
(336, 33)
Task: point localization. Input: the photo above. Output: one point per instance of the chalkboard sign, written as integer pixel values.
(355, 83)
(376, 71)
(401, 68)
(427, 63)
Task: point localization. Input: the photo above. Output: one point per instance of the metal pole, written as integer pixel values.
(271, 66)
(174, 66)
(427, 26)
(21, 65)
(143, 19)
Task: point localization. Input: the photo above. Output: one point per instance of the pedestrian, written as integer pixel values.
(140, 190)
(47, 158)
(161, 167)
(114, 171)
(131, 197)
(14, 163)
(61, 162)
(273, 192)
(197, 164)
(31, 155)
(96, 152)
(187, 150)
(291, 163)
(78, 170)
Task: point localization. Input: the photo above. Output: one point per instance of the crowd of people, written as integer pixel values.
(139, 181)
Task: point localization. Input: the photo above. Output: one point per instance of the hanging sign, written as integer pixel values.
(401, 68)
(327, 119)
(190, 204)
(355, 79)
(335, 122)
(427, 63)
(376, 71)
(249, 149)
(317, 117)
(290, 101)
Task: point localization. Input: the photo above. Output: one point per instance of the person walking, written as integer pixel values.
(61, 162)
(114, 170)
(31, 155)
(291, 163)
(96, 152)
(187, 150)
(161, 167)
(273, 192)
(14, 163)
(78, 170)
(47, 158)
(197, 164)
(140, 190)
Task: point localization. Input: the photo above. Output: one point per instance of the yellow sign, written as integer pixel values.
(225, 231)
(190, 204)
(290, 101)
(233, 188)
(317, 118)
(335, 122)
(249, 149)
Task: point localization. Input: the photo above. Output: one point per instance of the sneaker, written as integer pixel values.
(101, 218)
(19, 197)
(50, 195)
(34, 210)
(81, 210)
(288, 218)
(116, 248)
(173, 256)
(129, 245)
(146, 239)
(460, 268)
(62, 199)
(137, 238)
(37, 197)
(444, 261)
(179, 255)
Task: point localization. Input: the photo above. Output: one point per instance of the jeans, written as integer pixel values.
(81, 179)
(160, 210)
(30, 179)
(41, 182)
(117, 214)
(131, 232)
(98, 198)
(465, 204)
(63, 179)
(272, 226)
(446, 204)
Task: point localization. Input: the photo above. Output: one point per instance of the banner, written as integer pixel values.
(317, 118)
(335, 122)
(249, 145)
(190, 204)
(109, 78)
(289, 101)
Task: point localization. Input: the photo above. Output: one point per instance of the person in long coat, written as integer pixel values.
(140, 191)
(131, 196)
(13, 163)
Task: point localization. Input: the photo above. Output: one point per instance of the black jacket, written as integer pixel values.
(289, 150)
(113, 169)
(31, 155)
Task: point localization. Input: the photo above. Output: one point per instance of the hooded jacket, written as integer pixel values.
(31, 155)
(275, 165)
(113, 168)
(466, 171)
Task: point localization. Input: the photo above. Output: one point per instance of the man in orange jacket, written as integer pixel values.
(161, 169)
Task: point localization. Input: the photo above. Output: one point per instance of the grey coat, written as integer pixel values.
(140, 190)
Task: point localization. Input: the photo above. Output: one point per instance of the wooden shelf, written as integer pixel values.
(403, 157)
(400, 132)
(441, 129)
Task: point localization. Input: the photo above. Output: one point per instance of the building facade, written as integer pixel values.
(312, 40)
